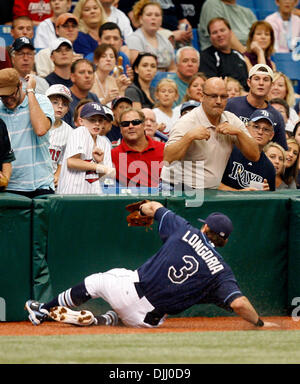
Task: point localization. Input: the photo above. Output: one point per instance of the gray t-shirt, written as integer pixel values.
(164, 52)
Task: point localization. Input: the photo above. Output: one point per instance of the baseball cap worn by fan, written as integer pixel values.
(62, 19)
(92, 109)
(256, 70)
(9, 81)
(219, 223)
(59, 89)
(262, 114)
(55, 44)
(119, 99)
(191, 104)
(20, 43)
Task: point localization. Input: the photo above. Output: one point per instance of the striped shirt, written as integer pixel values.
(73, 181)
(58, 141)
(32, 168)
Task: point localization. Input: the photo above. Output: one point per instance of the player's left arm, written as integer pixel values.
(242, 307)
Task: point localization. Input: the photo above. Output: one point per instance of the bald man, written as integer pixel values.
(152, 128)
(201, 142)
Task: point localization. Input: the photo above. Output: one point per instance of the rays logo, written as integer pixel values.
(97, 107)
(25, 40)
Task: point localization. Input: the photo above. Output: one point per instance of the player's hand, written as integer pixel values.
(98, 155)
(31, 82)
(200, 133)
(150, 208)
(269, 324)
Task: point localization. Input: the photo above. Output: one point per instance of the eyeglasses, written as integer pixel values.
(134, 122)
(215, 97)
(264, 130)
(23, 54)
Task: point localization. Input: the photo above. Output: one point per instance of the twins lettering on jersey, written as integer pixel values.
(204, 252)
(54, 154)
(242, 176)
(91, 176)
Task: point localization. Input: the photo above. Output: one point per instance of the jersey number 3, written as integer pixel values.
(190, 267)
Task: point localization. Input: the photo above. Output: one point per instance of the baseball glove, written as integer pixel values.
(3, 182)
(136, 218)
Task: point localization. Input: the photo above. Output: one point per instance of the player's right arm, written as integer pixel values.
(177, 150)
(242, 307)
(149, 209)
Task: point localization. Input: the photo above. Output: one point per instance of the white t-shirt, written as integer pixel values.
(161, 117)
(82, 182)
(58, 138)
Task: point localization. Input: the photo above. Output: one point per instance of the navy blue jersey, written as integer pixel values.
(243, 110)
(186, 270)
(240, 171)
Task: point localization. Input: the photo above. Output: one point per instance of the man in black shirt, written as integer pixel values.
(6, 155)
(219, 60)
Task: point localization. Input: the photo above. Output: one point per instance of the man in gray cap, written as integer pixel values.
(22, 57)
(28, 117)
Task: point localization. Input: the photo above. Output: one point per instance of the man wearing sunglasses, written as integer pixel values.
(28, 117)
(138, 159)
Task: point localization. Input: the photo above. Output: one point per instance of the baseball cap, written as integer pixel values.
(261, 114)
(119, 99)
(256, 70)
(108, 112)
(55, 44)
(65, 17)
(9, 80)
(20, 43)
(219, 223)
(92, 109)
(59, 89)
(189, 104)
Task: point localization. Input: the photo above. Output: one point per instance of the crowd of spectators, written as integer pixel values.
(95, 93)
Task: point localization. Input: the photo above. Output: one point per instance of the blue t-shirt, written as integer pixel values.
(243, 110)
(186, 270)
(240, 171)
(84, 44)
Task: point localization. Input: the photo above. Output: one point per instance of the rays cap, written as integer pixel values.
(55, 44)
(219, 223)
(22, 42)
(9, 81)
(191, 104)
(62, 19)
(92, 109)
(262, 114)
(59, 89)
(119, 99)
(261, 69)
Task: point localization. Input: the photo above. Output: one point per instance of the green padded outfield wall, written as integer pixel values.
(15, 256)
(294, 259)
(82, 235)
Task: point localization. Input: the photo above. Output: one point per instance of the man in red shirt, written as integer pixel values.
(37, 10)
(138, 159)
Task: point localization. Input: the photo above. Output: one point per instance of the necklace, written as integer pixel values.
(103, 90)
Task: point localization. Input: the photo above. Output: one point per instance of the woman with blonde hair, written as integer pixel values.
(166, 93)
(290, 175)
(260, 45)
(276, 155)
(282, 88)
(234, 87)
(91, 16)
(147, 38)
(107, 87)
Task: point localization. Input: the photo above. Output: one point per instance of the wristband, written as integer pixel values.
(259, 323)
(30, 90)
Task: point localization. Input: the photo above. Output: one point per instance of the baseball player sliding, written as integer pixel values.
(186, 270)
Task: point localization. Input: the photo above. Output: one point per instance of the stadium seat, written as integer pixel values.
(291, 68)
(195, 39)
(264, 8)
(5, 35)
(261, 14)
(161, 75)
